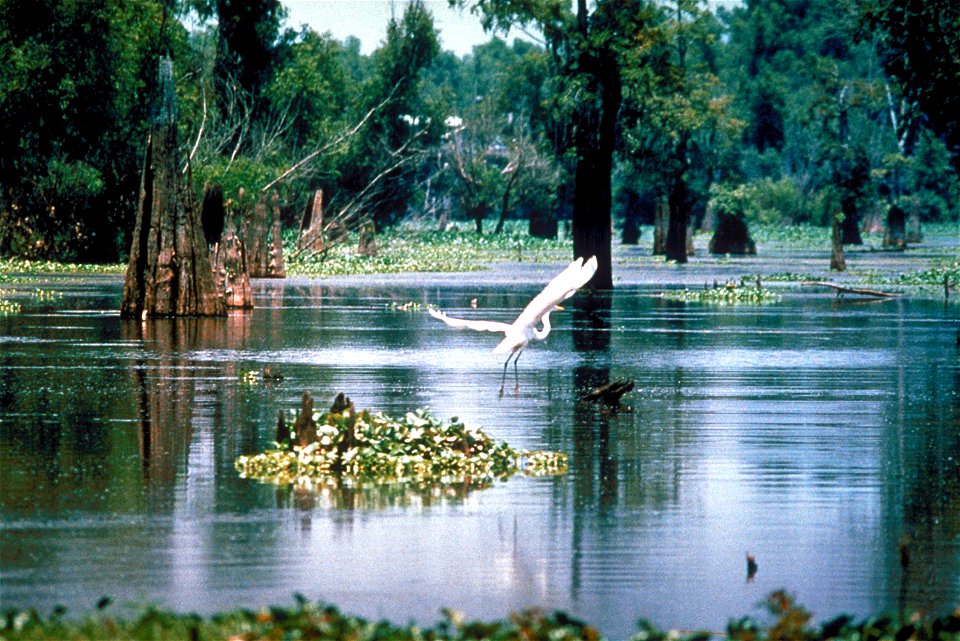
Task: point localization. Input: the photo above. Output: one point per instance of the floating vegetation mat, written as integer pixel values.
(729, 294)
(315, 620)
(348, 447)
(7, 306)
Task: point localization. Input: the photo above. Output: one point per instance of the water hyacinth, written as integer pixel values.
(360, 447)
(729, 294)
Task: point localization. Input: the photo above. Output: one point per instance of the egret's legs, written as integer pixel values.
(516, 377)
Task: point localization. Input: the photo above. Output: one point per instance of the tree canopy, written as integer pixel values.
(819, 110)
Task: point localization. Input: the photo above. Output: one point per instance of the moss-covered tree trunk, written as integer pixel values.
(169, 272)
(661, 221)
(837, 262)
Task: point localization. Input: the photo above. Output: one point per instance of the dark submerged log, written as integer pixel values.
(610, 393)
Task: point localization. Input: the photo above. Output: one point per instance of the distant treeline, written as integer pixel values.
(797, 110)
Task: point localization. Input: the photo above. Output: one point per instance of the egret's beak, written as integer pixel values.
(558, 308)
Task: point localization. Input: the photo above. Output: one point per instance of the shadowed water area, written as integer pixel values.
(813, 434)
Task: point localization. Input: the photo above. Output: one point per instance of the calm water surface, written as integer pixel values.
(812, 434)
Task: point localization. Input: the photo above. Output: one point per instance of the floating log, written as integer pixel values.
(169, 271)
(840, 289)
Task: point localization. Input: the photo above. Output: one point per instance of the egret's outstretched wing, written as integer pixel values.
(478, 325)
(562, 287)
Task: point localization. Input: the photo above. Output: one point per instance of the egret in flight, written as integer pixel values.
(519, 334)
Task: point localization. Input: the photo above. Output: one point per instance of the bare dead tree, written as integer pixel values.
(338, 141)
(355, 212)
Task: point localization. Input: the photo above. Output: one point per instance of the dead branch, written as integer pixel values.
(840, 289)
(350, 213)
(203, 123)
(349, 133)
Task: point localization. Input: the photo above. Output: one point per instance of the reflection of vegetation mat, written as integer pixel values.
(362, 447)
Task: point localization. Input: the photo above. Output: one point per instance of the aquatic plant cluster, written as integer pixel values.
(11, 266)
(8, 306)
(415, 448)
(728, 294)
(409, 248)
(311, 620)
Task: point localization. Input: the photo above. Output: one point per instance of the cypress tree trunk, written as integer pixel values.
(254, 232)
(596, 140)
(896, 232)
(677, 228)
(850, 227)
(169, 272)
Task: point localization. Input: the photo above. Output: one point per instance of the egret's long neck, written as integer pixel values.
(541, 334)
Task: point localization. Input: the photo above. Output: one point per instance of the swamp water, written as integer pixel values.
(812, 433)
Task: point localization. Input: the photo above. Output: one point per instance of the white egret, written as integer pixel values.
(519, 334)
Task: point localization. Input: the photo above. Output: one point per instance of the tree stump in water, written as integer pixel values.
(895, 234)
(230, 271)
(304, 427)
(914, 234)
(169, 270)
(368, 240)
(275, 266)
(610, 393)
(731, 236)
(253, 231)
(311, 225)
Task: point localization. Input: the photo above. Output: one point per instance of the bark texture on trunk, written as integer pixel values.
(169, 271)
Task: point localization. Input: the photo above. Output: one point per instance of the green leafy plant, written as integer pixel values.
(417, 447)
